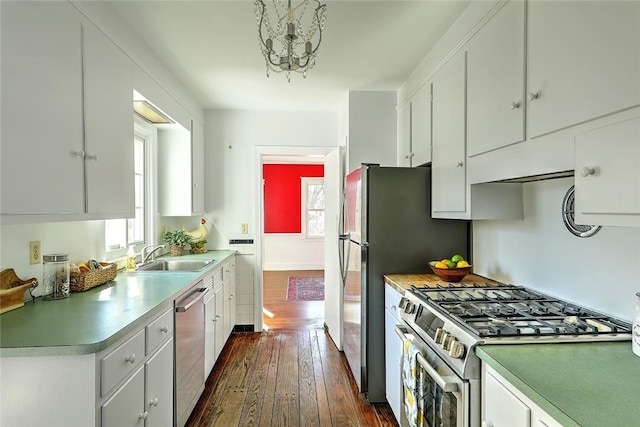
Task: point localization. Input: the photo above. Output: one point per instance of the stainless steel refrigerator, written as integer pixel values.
(386, 228)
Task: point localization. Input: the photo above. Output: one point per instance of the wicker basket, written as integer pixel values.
(84, 281)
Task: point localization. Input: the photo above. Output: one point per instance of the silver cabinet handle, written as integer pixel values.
(459, 164)
(143, 416)
(515, 105)
(164, 329)
(534, 95)
(586, 171)
(153, 402)
(130, 358)
(92, 157)
(78, 154)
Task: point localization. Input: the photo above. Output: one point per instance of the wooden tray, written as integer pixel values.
(12, 290)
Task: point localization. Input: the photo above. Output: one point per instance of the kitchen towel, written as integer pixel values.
(409, 377)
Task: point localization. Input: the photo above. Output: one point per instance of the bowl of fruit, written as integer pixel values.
(452, 269)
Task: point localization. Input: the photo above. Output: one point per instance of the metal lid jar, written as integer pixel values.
(56, 276)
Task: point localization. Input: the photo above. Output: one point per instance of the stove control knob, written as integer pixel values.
(439, 336)
(446, 342)
(409, 308)
(457, 350)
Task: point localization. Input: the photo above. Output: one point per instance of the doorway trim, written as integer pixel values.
(259, 152)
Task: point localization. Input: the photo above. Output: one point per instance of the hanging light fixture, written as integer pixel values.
(290, 35)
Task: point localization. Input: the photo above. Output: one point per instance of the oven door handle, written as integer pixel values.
(445, 384)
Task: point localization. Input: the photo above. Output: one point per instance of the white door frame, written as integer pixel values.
(259, 152)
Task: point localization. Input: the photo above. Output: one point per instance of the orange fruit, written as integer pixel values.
(440, 265)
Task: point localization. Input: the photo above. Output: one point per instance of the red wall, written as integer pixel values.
(282, 195)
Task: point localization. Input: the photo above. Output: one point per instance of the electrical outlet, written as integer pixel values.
(244, 228)
(34, 252)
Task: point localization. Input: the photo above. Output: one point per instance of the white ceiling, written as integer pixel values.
(212, 48)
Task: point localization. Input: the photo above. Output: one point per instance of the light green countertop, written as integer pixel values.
(578, 384)
(90, 321)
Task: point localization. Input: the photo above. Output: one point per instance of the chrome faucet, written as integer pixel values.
(146, 253)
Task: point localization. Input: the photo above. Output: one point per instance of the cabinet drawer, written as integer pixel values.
(159, 330)
(392, 301)
(217, 277)
(121, 362)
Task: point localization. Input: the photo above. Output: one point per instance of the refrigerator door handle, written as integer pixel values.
(342, 239)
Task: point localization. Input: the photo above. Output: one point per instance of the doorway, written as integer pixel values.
(331, 157)
(293, 242)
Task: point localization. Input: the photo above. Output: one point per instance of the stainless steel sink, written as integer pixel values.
(175, 265)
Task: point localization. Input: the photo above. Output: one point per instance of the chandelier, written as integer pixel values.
(290, 35)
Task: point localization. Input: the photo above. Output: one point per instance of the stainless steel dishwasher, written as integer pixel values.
(189, 341)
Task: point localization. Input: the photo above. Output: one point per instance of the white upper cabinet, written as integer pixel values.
(404, 135)
(421, 126)
(181, 170)
(108, 88)
(449, 155)
(583, 61)
(67, 126)
(41, 109)
(607, 180)
(495, 81)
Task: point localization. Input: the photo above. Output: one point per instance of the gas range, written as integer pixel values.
(454, 318)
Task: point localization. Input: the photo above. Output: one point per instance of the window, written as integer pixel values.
(313, 207)
(122, 233)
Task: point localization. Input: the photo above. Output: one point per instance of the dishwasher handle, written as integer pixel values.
(189, 301)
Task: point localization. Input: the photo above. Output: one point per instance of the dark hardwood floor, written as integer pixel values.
(289, 375)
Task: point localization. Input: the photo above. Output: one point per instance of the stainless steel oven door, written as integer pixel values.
(442, 397)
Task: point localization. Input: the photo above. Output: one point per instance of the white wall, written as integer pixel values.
(600, 272)
(372, 128)
(233, 142)
(292, 252)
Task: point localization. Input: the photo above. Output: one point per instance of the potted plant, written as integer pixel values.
(198, 247)
(177, 240)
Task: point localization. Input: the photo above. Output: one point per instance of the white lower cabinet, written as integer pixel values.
(504, 406)
(210, 319)
(158, 387)
(229, 286)
(126, 407)
(392, 350)
(145, 398)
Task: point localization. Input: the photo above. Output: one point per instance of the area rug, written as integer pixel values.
(305, 288)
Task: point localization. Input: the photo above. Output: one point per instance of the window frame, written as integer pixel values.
(305, 182)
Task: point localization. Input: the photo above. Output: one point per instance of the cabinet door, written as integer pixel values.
(404, 135)
(219, 324)
(495, 82)
(174, 171)
(108, 100)
(231, 277)
(209, 333)
(607, 177)
(41, 109)
(159, 387)
(126, 407)
(583, 61)
(197, 167)
(421, 126)
(501, 407)
(449, 154)
(392, 349)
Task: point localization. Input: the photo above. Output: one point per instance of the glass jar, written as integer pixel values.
(56, 276)
(635, 332)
